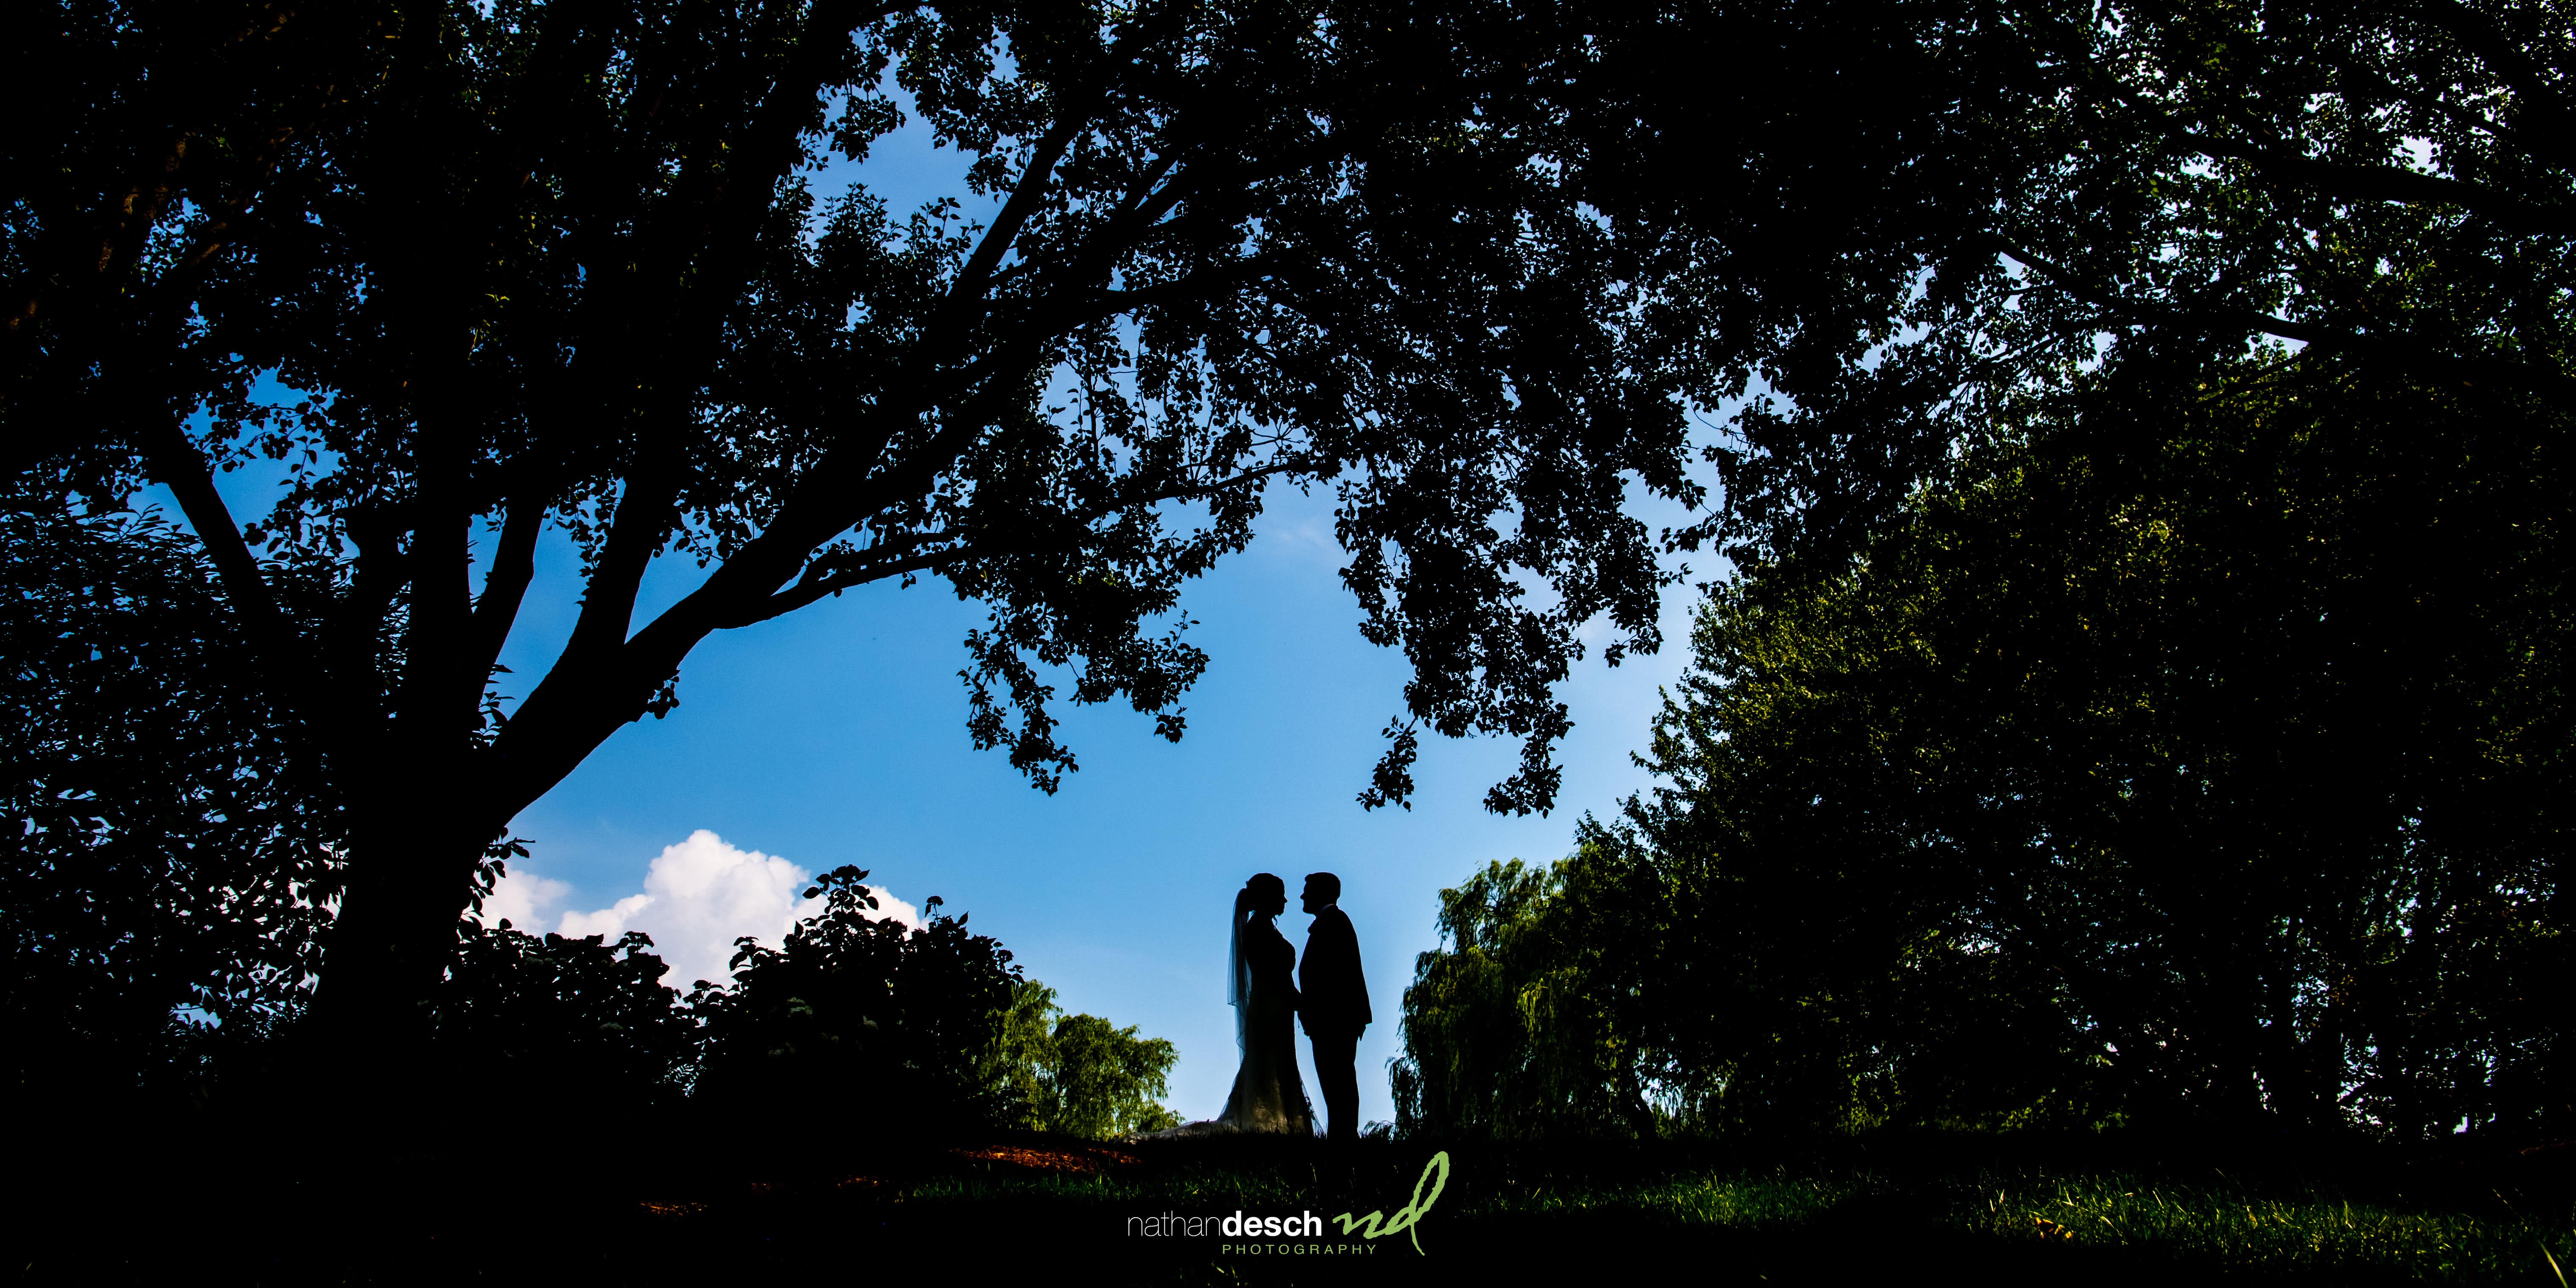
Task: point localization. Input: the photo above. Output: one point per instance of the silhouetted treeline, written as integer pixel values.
(2226, 781)
(2141, 691)
(910, 1030)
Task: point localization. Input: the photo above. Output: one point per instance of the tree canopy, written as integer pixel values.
(2092, 791)
(166, 889)
(481, 272)
(2142, 695)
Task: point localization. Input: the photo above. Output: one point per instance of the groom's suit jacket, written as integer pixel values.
(1332, 997)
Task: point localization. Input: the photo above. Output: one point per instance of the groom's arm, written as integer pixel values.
(1359, 983)
(1353, 984)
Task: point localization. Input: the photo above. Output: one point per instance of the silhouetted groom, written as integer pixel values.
(1333, 1002)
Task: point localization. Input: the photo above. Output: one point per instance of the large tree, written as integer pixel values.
(478, 272)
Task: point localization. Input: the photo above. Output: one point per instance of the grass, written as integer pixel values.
(1823, 1223)
(1877, 1214)
(2146, 1225)
(2225, 1225)
(2213, 1227)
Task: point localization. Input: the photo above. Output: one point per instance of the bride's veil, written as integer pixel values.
(1238, 988)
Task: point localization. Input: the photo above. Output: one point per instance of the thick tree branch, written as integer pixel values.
(968, 293)
(646, 507)
(266, 634)
(834, 579)
(505, 586)
(382, 570)
(2401, 351)
(853, 575)
(2392, 183)
(720, 238)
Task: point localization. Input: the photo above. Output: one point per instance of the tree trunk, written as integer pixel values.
(366, 1045)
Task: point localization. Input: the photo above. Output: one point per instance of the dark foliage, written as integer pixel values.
(568, 1022)
(2163, 182)
(904, 1027)
(2144, 690)
(2098, 789)
(927, 1030)
(165, 873)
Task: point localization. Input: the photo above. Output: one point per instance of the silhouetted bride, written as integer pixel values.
(1268, 1095)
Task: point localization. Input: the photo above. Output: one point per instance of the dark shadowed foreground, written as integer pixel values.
(2006, 1209)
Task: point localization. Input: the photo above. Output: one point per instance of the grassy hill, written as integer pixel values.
(1870, 1209)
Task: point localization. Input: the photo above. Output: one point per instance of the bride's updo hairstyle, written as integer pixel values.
(1262, 886)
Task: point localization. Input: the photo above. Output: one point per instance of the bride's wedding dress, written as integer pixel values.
(1269, 1098)
(1268, 1094)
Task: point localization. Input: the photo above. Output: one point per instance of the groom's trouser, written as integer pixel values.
(1337, 1076)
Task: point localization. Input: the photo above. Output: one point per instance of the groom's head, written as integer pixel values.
(1323, 889)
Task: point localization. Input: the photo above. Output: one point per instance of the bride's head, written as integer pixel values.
(1264, 894)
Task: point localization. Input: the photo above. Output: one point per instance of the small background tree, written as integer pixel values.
(1081, 1075)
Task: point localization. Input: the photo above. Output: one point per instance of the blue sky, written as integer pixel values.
(836, 735)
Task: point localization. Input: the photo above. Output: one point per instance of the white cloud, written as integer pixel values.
(523, 899)
(890, 908)
(699, 896)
